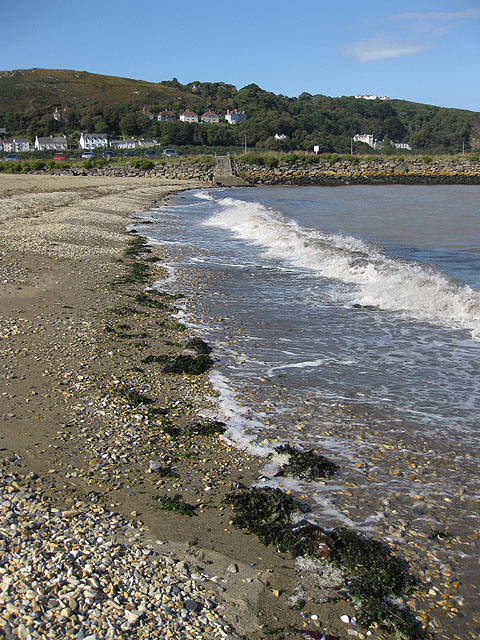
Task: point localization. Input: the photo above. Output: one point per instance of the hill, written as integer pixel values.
(108, 104)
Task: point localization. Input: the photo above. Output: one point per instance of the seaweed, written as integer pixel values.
(374, 577)
(136, 246)
(175, 503)
(148, 301)
(266, 512)
(206, 428)
(192, 365)
(198, 345)
(306, 464)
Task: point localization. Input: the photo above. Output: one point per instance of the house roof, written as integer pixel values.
(208, 112)
(187, 112)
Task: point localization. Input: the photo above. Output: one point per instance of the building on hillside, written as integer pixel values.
(8, 146)
(189, 116)
(401, 145)
(92, 141)
(371, 96)
(57, 143)
(144, 111)
(21, 145)
(210, 117)
(59, 116)
(125, 143)
(145, 144)
(235, 117)
(167, 116)
(280, 136)
(366, 138)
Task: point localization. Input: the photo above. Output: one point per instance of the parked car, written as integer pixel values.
(88, 154)
(108, 154)
(11, 157)
(129, 153)
(169, 152)
(59, 155)
(149, 153)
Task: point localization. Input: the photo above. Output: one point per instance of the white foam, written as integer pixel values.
(414, 290)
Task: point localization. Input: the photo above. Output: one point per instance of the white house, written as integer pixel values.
(57, 143)
(235, 117)
(367, 138)
(93, 140)
(22, 145)
(280, 136)
(146, 144)
(8, 146)
(401, 145)
(371, 96)
(129, 143)
(210, 116)
(189, 116)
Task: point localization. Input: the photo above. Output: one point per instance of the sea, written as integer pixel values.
(347, 320)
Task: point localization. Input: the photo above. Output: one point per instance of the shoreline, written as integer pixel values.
(80, 431)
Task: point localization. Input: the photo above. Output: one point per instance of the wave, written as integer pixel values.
(375, 280)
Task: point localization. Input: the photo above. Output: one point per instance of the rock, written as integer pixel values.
(232, 568)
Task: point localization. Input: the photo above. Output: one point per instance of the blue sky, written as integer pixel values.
(425, 51)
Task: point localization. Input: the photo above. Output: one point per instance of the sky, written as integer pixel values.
(420, 50)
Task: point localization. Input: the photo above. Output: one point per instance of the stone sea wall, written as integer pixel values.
(359, 171)
(320, 172)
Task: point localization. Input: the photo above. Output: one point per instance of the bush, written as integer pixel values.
(142, 163)
(271, 161)
(427, 159)
(290, 158)
(253, 158)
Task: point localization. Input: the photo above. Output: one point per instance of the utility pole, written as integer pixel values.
(351, 146)
(245, 140)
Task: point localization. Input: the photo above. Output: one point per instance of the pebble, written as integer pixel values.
(68, 590)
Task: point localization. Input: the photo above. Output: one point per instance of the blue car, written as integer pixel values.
(108, 154)
(170, 153)
(11, 157)
(150, 153)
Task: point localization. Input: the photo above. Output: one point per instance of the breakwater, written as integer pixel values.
(363, 171)
(307, 170)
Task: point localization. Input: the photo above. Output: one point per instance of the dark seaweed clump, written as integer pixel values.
(192, 365)
(373, 575)
(198, 345)
(206, 428)
(175, 503)
(306, 464)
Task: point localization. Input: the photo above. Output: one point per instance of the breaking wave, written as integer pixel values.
(415, 290)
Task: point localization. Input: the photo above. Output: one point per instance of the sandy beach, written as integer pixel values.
(94, 434)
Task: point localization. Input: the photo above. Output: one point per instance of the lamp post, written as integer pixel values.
(245, 141)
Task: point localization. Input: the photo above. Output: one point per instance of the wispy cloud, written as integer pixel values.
(382, 48)
(419, 31)
(442, 16)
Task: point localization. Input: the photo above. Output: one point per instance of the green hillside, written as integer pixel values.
(107, 104)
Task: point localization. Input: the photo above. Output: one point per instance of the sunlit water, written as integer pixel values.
(345, 319)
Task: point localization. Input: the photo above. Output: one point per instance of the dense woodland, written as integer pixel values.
(103, 104)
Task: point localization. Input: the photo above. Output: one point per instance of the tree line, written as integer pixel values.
(305, 121)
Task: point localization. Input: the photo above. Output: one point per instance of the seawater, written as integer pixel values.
(345, 319)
